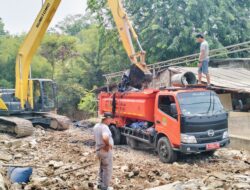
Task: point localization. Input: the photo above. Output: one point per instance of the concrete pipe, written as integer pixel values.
(183, 79)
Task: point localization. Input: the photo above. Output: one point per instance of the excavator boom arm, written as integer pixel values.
(139, 72)
(124, 26)
(29, 48)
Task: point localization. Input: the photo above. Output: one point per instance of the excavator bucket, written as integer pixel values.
(137, 76)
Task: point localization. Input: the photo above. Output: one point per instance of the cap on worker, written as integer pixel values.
(199, 35)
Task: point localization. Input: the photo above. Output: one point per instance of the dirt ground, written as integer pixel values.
(52, 154)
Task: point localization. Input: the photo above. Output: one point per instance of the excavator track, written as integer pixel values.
(16, 126)
(58, 122)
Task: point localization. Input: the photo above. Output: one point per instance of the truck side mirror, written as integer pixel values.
(173, 109)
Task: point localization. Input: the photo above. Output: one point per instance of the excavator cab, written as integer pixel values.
(44, 95)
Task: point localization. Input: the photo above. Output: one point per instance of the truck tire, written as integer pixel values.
(165, 151)
(132, 143)
(123, 140)
(116, 134)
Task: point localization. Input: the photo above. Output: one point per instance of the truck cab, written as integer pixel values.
(194, 121)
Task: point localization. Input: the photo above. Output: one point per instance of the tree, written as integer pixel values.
(88, 104)
(167, 27)
(2, 31)
(73, 24)
(8, 50)
(58, 48)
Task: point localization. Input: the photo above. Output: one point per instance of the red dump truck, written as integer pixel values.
(179, 119)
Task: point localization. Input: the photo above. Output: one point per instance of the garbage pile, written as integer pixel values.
(65, 160)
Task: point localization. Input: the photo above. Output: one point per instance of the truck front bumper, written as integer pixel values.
(197, 148)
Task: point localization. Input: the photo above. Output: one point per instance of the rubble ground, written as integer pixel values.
(57, 156)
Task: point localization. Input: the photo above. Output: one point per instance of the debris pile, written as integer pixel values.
(66, 160)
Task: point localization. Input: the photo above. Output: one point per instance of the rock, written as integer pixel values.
(84, 186)
(192, 185)
(136, 171)
(124, 169)
(33, 144)
(166, 176)
(157, 172)
(86, 154)
(58, 180)
(242, 178)
(16, 186)
(171, 186)
(15, 143)
(151, 176)
(156, 183)
(216, 184)
(18, 156)
(34, 186)
(2, 184)
(38, 180)
(176, 164)
(117, 181)
(56, 164)
(5, 156)
(43, 139)
(219, 175)
(77, 150)
(83, 160)
(142, 175)
(241, 186)
(130, 174)
(230, 154)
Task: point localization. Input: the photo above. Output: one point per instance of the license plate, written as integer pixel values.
(212, 146)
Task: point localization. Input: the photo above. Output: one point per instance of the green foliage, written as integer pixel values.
(5, 84)
(73, 24)
(166, 27)
(8, 50)
(2, 31)
(57, 49)
(88, 104)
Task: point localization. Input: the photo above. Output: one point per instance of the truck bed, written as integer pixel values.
(134, 105)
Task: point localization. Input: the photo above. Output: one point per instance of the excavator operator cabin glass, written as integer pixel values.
(48, 95)
(37, 95)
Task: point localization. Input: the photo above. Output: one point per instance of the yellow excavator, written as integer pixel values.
(33, 101)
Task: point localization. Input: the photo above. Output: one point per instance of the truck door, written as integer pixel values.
(167, 119)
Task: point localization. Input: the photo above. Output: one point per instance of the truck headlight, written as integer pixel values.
(189, 139)
(225, 135)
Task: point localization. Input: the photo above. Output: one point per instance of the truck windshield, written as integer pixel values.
(199, 103)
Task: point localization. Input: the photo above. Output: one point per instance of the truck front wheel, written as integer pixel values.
(116, 134)
(165, 151)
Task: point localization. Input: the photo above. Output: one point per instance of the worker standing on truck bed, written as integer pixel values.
(104, 146)
(203, 59)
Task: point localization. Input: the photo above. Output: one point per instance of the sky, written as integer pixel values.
(19, 15)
